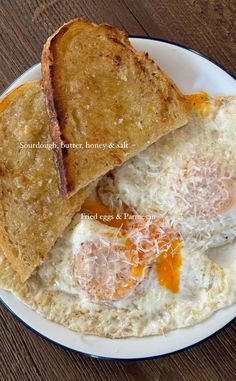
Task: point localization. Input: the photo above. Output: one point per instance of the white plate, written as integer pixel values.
(191, 72)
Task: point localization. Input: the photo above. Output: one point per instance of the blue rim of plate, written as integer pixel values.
(138, 358)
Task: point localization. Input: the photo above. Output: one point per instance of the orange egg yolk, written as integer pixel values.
(209, 188)
(168, 266)
(104, 215)
(169, 258)
(198, 100)
(168, 261)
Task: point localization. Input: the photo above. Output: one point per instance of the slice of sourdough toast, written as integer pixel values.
(106, 101)
(32, 212)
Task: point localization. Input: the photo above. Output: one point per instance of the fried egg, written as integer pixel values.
(129, 281)
(107, 263)
(188, 177)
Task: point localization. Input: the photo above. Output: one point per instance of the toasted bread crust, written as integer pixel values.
(172, 109)
(47, 73)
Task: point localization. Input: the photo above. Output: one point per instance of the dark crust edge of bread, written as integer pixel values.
(56, 129)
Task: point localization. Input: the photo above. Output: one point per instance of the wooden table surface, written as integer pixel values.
(207, 26)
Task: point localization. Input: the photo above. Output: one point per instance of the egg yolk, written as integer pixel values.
(198, 101)
(108, 270)
(204, 188)
(104, 215)
(168, 266)
(163, 245)
(144, 243)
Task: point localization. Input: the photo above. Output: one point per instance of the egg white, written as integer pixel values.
(197, 273)
(148, 182)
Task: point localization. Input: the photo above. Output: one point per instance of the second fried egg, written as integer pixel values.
(187, 177)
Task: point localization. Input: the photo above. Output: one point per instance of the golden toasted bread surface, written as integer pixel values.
(106, 101)
(33, 213)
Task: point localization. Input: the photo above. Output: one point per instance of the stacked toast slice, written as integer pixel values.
(105, 98)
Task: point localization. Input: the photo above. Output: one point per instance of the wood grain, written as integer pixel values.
(207, 26)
